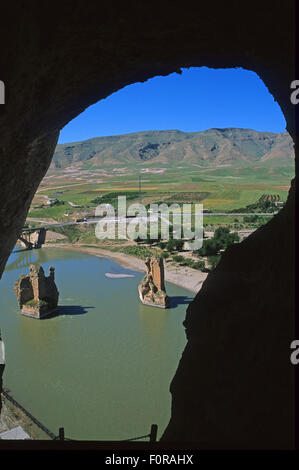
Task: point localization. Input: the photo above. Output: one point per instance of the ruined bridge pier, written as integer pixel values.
(34, 238)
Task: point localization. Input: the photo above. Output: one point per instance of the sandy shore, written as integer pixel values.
(183, 276)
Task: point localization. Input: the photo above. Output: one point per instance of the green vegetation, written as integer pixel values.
(190, 197)
(266, 203)
(36, 303)
(243, 186)
(174, 245)
(221, 240)
(247, 185)
(213, 261)
(153, 148)
(139, 251)
(189, 262)
(72, 232)
(215, 192)
(198, 265)
(255, 220)
(55, 212)
(178, 258)
(112, 198)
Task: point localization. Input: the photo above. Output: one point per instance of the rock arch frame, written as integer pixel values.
(60, 58)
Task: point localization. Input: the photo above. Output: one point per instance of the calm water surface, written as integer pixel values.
(103, 366)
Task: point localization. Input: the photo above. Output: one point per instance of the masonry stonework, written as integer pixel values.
(152, 288)
(37, 294)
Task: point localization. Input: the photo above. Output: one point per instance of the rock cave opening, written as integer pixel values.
(237, 396)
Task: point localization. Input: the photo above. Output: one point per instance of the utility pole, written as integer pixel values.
(140, 201)
(61, 434)
(153, 433)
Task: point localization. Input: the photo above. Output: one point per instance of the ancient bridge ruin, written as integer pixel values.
(32, 238)
(234, 385)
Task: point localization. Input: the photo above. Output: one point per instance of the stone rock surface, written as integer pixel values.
(236, 368)
(37, 294)
(33, 239)
(152, 288)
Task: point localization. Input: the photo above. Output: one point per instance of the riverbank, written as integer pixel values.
(183, 276)
(99, 319)
(12, 416)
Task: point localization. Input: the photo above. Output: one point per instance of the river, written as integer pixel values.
(102, 367)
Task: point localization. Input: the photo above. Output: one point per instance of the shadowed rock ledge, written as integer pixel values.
(234, 384)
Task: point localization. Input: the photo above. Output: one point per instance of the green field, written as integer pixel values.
(218, 189)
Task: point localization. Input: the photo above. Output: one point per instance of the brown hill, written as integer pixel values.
(206, 148)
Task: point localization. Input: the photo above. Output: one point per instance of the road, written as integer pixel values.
(126, 219)
(89, 221)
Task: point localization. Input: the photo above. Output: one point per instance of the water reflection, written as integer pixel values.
(103, 344)
(72, 310)
(154, 322)
(22, 258)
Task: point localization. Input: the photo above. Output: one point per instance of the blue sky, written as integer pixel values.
(196, 100)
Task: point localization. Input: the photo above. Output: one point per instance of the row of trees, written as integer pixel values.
(221, 240)
(210, 248)
(266, 203)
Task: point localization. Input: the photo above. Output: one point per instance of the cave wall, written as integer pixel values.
(58, 58)
(234, 387)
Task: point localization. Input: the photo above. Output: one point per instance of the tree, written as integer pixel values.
(199, 265)
(221, 240)
(213, 261)
(174, 245)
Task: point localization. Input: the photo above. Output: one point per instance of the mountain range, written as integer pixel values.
(206, 148)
